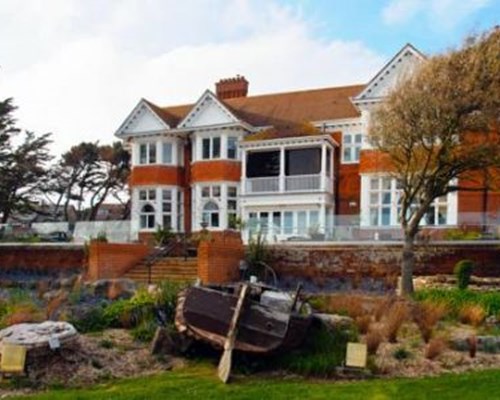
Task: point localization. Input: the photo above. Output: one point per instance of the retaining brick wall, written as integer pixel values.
(113, 260)
(41, 258)
(219, 257)
(379, 261)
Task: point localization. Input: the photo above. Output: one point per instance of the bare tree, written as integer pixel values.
(437, 126)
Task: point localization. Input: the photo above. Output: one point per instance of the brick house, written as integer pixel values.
(290, 164)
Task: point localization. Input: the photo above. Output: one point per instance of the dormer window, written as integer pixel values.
(147, 153)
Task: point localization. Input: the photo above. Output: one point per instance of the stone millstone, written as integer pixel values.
(34, 336)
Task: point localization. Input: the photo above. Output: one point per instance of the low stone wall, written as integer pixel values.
(219, 257)
(41, 258)
(375, 266)
(113, 260)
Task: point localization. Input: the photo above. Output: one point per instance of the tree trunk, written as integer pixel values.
(408, 264)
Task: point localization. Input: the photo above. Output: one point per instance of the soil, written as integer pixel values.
(91, 359)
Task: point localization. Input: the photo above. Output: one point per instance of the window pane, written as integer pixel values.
(232, 191)
(167, 194)
(358, 138)
(205, 191)
(288, 216)
(347, 139)
(347, 154)
(263, 163)
(216, 147)
(152, 153)
(386, 216)
(142, 195)
(231, 147)
(151, 221)
(152, 194)
(143, 154)
(167, 207)
(374, 183)
(277, 222)
(206, 148)
(373, 198)
(442, 214)
(386, 183)
(357, 152)
(374, 216)
(302, 161)
(231, 204)
(386, 198)
(313, 219)
(144, 221)
(167, 153)
(167, 221)
(214, 219)
(216, 191)
(301, 222)
(328, 161)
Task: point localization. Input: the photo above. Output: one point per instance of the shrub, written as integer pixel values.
(89, 320)
(102, 237)
(455, 299)
(383, 307)
(426, 315)
(363, 323)
(145, 331)
(398, 314)
(472, 314)
(22, 312)
(257, 253)
(463, 271)
(163, 235)
(346, 305)
(166, 298)
(462, 234)
(401, 354)
(435, 348)
(373, 340)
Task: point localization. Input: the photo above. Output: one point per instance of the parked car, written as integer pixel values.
(56, 236)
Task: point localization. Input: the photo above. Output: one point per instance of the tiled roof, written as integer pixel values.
(281, 109)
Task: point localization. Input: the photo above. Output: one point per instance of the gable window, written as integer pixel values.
(147, 153)
(166, 152)
(210, 148)
(232, 147)
(211, 214)
(351, 144)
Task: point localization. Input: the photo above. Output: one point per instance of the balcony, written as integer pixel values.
(288, 184)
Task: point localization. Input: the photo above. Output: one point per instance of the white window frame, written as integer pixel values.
(148, 146)
(211, 147)
(351, 146)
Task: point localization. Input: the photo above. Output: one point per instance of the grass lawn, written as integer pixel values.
(199, 382)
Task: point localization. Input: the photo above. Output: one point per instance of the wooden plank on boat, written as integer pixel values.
(224, 369)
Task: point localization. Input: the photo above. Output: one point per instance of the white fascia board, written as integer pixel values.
(142, 103)
(296, 140)
(364, 95)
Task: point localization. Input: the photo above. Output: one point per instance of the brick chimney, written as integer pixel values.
(230, 88)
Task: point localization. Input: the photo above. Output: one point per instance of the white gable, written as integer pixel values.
(142, 119)
(206, 112)
(401, 66)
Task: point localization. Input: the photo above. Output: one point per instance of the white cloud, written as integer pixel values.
(439, 14)
(97, 60)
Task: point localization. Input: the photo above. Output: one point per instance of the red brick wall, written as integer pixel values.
(374, 161)
(352, 261)
(112, 260)
(219, 257)
(156, 175)
(40, 258)
(206, 171)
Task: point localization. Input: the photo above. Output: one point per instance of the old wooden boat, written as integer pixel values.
(269, 320)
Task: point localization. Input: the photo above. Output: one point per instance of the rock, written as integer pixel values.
(68, 282)
(37, 335)
(113, 289)
(162, 342)
(335, 321)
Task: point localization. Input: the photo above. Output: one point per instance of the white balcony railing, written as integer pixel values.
(286, 184)
(263, 185)
(301, 183)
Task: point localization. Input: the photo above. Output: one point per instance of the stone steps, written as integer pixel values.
(167, 268)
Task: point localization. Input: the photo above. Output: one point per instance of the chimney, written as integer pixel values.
(230, 88)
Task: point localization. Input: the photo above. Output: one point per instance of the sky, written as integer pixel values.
(77, 68)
